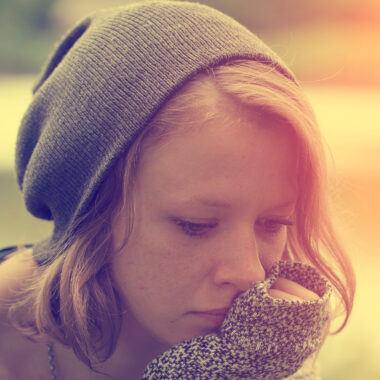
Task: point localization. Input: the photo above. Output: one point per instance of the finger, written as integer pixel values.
(275, 293)
(294, 289)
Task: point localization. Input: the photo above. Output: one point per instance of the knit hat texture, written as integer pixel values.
(105, 81)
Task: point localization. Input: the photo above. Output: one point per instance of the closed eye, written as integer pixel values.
(273, 226)
(194, 229)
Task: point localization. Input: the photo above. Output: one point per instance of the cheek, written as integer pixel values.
(142, 271)
(272, 250)
(154, 271)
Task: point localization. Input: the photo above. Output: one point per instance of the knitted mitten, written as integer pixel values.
(261, 337)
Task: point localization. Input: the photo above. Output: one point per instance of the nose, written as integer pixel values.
(239, 263)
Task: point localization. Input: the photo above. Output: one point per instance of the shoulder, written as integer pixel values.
(14, 347)
(14, 272)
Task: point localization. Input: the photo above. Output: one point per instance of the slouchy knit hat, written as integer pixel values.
(104, 82)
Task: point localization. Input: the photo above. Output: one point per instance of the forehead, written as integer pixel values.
(232, 155)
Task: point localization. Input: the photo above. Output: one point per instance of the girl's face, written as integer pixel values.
(212, 209)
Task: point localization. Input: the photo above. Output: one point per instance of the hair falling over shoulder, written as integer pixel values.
(74, 298)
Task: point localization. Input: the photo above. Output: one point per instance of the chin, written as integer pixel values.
(181, 337)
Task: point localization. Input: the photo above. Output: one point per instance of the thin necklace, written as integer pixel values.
(53, 373)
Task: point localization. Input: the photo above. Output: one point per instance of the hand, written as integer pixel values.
(290, 290)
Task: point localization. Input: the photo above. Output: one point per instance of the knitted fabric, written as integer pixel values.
(261, 337)
(105, 81)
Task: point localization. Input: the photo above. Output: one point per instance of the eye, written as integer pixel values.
(194, 229)
(273, 226)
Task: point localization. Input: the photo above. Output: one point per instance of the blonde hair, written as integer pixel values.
(74, 298)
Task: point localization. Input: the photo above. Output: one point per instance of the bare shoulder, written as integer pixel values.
(14, 272)
(14, 347)
(21, 358)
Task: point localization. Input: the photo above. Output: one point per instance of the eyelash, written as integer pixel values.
(194, 229)
(270, 226)
(274, 226)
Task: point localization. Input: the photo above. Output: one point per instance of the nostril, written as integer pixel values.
(241, 277)
(239, 266)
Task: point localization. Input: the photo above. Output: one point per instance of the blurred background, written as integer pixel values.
(334, 49)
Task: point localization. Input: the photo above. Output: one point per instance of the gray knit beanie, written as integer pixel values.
(105, 81)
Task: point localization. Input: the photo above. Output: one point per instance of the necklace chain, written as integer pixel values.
(53, 373)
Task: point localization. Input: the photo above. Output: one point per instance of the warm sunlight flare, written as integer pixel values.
(333, 49)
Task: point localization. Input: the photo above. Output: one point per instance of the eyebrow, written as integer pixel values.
(220, 204)
(288, 204)
(210, 202)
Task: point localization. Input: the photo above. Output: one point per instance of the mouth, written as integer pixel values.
(213, 317)
(222, 311)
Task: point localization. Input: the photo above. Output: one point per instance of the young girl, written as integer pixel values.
(183, 170)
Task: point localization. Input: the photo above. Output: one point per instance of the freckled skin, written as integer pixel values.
(163, 273)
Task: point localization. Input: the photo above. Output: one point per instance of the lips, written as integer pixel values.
(222, 311)
(214, 317)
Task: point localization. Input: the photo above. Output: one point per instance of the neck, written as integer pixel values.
(136, 347)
